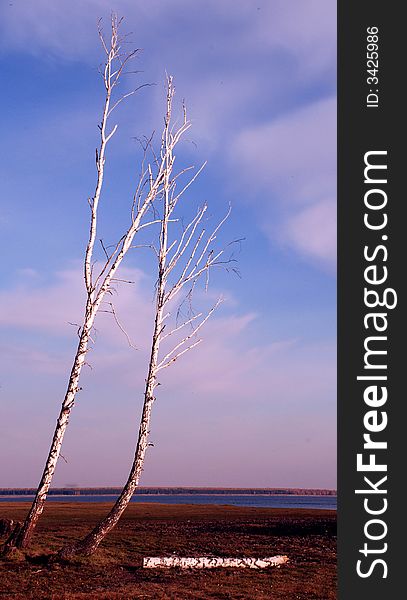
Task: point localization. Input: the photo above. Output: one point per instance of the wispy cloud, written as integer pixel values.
(312, 231)
(304, 29)
(230, 386)
(288, 169)
(287, 159)
(294, 154)
(224, 364)
(259, 83)
(52, 306)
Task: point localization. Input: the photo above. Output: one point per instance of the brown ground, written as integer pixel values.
(308, 537)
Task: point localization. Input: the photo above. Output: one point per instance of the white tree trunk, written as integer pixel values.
(96, 290)
(197, 262)
(22, 535)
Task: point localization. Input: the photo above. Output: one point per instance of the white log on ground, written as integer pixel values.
(210, 562)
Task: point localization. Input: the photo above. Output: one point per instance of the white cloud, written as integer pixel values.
(312, 231)
(33, 305)
(295, 154)
(304, 28)
(240, 386)
(268, 393)
(288, 171)
(214, 53)
(212, 50)
(223, 364)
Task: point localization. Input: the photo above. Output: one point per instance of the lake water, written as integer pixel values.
(260, 500)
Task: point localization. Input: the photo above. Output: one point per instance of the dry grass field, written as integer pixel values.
(308, 537)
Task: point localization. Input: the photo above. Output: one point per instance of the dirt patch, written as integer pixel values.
(308, 537)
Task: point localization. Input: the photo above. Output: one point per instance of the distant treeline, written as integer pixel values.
(114, 491)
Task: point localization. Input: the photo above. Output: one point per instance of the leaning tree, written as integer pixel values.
(185, 254)
(98, 284)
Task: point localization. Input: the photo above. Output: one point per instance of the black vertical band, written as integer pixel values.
(372, 228)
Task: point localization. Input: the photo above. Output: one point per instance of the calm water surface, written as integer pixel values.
(261, 501)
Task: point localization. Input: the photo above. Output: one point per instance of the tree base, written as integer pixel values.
(75, 550)
(12, 544)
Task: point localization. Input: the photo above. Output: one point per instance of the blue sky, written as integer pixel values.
(255, 403)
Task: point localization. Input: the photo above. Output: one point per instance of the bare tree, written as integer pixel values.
(97, 286)
(181, 263)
